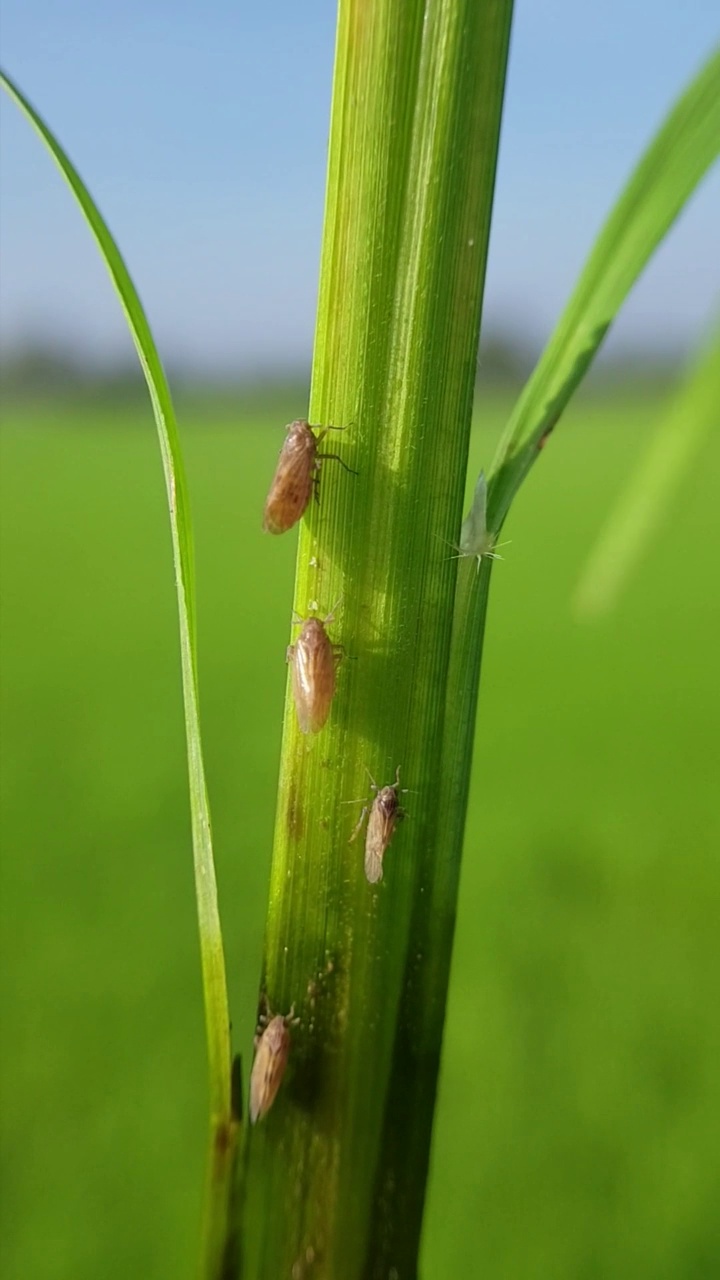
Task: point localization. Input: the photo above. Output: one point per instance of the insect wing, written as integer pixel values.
(302, 682)
(313, 676)
(381, 825)
(373, 864)
(271, 1055)
(293, 480)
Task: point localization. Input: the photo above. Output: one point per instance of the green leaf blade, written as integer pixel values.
(223, 1124)
(675, 162)
(653, 490)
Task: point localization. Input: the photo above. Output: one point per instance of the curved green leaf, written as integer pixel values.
(213, 964)
(676, 160)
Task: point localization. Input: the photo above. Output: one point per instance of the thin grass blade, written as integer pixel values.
(673, 165)
(654, 491)
(213, 964)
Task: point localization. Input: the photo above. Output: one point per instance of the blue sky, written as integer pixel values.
(201, 130)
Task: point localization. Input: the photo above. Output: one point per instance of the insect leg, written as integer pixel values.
(373, 783)
(339, 652)
(358, 825)
(335, 457)
(322, 431)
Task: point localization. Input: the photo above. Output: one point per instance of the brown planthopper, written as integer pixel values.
(385, 813)
(272, 1048)
(314, 660)
(296, 476)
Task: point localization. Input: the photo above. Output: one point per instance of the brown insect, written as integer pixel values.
(385, 813)
(272, 1048)
(314, 661)
(296, 476)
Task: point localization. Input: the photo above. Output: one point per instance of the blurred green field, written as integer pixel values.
(578, 1128)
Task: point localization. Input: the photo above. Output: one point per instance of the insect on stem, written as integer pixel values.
(272, 1049)
(314, 660)
(384, 815)
(297, 476)
(476, 541)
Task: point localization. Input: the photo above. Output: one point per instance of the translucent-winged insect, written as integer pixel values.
(314, 660)
(385, 813)
(296, 476)
(272, 1048)
(475, 539)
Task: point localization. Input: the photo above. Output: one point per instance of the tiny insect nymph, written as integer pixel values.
(385, 813)
(314, 660)
(476, 541)
(272, 1048)
(296, 476)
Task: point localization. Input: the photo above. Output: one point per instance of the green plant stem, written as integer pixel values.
(672, 167)
(400, 1189)
(416, 111)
